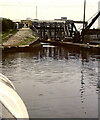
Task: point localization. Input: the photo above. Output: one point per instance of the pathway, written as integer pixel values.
(20, 36)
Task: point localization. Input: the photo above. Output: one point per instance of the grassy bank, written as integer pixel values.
(23, 36)
(26, 41)
(8, 34)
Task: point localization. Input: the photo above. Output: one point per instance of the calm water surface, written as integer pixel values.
(55, 82)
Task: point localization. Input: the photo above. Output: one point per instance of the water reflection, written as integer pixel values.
(55, 81)
(53, 52)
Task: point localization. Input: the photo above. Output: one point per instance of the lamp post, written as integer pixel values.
(84, 14)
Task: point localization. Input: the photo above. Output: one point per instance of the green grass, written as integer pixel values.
(26, 41)
(8, 34)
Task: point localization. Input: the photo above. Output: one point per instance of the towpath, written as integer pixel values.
(23, 36)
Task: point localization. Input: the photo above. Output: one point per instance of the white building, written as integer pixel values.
(99, 17)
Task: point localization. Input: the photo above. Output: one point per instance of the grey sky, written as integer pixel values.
(47, 9)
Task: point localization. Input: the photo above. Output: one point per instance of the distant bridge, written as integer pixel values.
(55, 29)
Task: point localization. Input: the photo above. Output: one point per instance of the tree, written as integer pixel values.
(7, 24)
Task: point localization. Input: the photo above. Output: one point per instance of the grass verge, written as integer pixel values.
(26, 41)
(8, 34)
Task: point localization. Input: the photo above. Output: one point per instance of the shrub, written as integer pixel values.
(7, 24)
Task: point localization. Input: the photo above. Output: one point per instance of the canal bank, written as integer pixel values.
(37, 43)
(24, 36)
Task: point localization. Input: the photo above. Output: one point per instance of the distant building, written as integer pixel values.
(26, 23)
(28, 18)
(63, 18)
(99, 17)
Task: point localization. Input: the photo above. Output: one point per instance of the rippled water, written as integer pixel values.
(55, 82)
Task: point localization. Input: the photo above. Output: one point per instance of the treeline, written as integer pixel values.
(7, 24)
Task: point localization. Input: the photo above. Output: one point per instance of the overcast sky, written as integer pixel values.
(47, 9)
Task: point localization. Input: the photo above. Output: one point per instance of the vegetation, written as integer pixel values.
(8, 34)
(26, 41)
(7, 25)
(7, 28)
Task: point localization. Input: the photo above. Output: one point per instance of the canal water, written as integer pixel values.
(55, 82)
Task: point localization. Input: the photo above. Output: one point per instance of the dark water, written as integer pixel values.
(55, 82)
